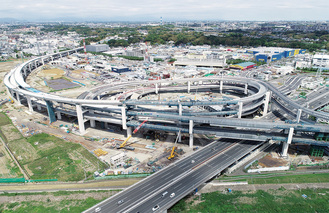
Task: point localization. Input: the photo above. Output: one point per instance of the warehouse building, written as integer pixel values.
(97, 48)
(320, 61)
(269, 54)
(243, 66)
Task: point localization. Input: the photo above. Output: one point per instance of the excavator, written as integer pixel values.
(134, 132)
(172, 154)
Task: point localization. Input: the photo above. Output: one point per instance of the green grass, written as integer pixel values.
(304, 178)
(280, 200)
(4, 120)
(60, 159)
(62, 205)
(72, 206)
(277, 178)
(49, 157)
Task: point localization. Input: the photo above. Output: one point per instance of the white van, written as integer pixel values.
(164, 194)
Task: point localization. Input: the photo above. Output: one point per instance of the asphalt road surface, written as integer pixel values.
(174, 182)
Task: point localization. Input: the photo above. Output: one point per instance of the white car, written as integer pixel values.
(172, 195)
(155, 207)
(98, 209)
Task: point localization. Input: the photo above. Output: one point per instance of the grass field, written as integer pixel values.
(52, 157)
(260, 201)
(4, 120)
(61, 201)
(8, 168)
(48, 157)
(277, 178)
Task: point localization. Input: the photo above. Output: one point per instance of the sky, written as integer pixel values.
(169, 10)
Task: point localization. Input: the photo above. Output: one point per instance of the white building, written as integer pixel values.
(320, 61)
(119, 159)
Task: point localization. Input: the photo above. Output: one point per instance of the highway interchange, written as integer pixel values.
(183, 176)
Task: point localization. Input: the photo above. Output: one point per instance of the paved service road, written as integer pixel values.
(180, 178)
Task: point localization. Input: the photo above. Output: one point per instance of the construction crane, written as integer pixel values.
(134, 132)
(172, 154)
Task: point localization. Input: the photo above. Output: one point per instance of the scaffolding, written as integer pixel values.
(316, 151)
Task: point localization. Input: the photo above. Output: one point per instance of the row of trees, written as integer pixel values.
(164, 34)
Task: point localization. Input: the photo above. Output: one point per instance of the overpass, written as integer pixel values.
(180, 178)
(127, 109)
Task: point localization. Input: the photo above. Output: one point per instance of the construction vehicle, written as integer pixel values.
(134, 132)
(172, 154)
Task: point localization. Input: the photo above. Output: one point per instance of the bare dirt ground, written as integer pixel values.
(51, 73)
(269, 161)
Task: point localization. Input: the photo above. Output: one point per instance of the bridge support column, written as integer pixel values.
(286, 144)
(24, 70)
(35, 63)
(30, 68)
(188, 86)
(59, 116)
(43, 61)
(299, 114)
(18, 99)
(180, 112)
(221, 86)
(92, 121)
(240, 109)
(124, 117)
(51, 112)
(80, 119)
(266, 103)
(156, 88)
(29, 103)
(39, 107)
(246, 89)
(191, 133)
(106, 125)
(10, 93)
(129, 131)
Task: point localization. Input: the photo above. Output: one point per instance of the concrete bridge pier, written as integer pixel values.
(188, 86)
(191, 133)
(80, 119)
(92, 121)
(124, 117)
(25, 73)
(180, 112)
(58, 114)
(240, 109)
(18, 99)
(266, 103)
(286, 144)
(246, 89)
(156, 88)
(221, 86)
(29, 103)
(129, 131)
(299, 114)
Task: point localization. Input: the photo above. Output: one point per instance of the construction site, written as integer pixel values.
(144, 151)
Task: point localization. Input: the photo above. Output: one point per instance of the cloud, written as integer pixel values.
(182, 9)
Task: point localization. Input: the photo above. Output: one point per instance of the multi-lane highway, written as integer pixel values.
(169, 185)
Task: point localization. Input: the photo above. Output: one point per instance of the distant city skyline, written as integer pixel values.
(145, 10)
